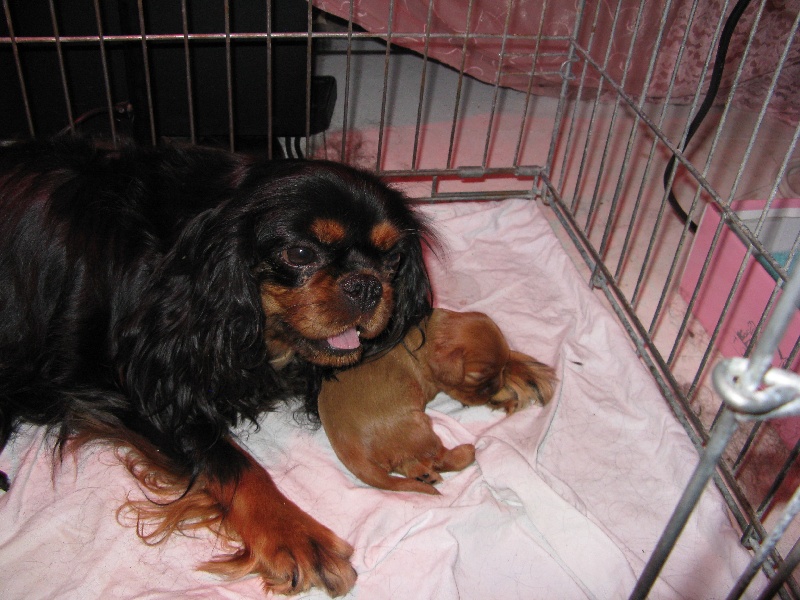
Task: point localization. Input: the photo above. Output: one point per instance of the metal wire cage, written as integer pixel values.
(617, 155)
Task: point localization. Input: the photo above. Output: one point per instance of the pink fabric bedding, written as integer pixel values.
(510, 63)
(563, 502)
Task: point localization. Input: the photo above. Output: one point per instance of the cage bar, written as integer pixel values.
(606, 133)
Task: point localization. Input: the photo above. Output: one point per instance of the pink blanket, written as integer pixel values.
(563, 502)
(522, 44)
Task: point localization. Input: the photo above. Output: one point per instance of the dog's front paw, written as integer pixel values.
(310, 555)
(292, 553)
(272, 537)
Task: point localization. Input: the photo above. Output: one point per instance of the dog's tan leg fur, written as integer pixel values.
(284, 545)
(268, 534)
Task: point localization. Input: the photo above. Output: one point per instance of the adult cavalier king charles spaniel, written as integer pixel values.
(155, 298)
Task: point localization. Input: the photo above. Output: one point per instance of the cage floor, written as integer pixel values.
(408, 122)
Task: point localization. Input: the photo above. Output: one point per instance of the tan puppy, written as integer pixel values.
(374, 414)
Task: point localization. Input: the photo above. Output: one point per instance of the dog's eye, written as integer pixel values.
(300, 256)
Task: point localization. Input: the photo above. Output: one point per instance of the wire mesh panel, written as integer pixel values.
(693, 289)
(661, 134)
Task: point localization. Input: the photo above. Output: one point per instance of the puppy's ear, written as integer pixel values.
(189, 355)
(447, 363)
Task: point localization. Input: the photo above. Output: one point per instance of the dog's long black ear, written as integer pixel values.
(413, 295)
(192, 357)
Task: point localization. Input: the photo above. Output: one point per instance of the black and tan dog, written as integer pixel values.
(374, 414)
(155, 298)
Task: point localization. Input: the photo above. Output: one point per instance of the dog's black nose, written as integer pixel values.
(364, 290)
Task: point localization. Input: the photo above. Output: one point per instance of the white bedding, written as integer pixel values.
(564, 502)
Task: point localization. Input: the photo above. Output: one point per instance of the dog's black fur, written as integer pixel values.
(129, 284)
(133, 282)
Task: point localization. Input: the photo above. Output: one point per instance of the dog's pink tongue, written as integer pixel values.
(347, 340)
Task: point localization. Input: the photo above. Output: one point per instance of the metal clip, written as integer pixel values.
(565, 70)
(777, 396)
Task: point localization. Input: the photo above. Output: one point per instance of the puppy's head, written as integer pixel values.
(471, 361)
(338, 262)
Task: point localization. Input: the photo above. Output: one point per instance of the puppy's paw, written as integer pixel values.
(527, 381)
(421, 470)
(292, 553)
(456, 459)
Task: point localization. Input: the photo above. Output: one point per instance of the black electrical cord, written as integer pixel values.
(711, 94)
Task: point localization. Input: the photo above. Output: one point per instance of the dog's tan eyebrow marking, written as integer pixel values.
(384, 235)
(328, 231)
